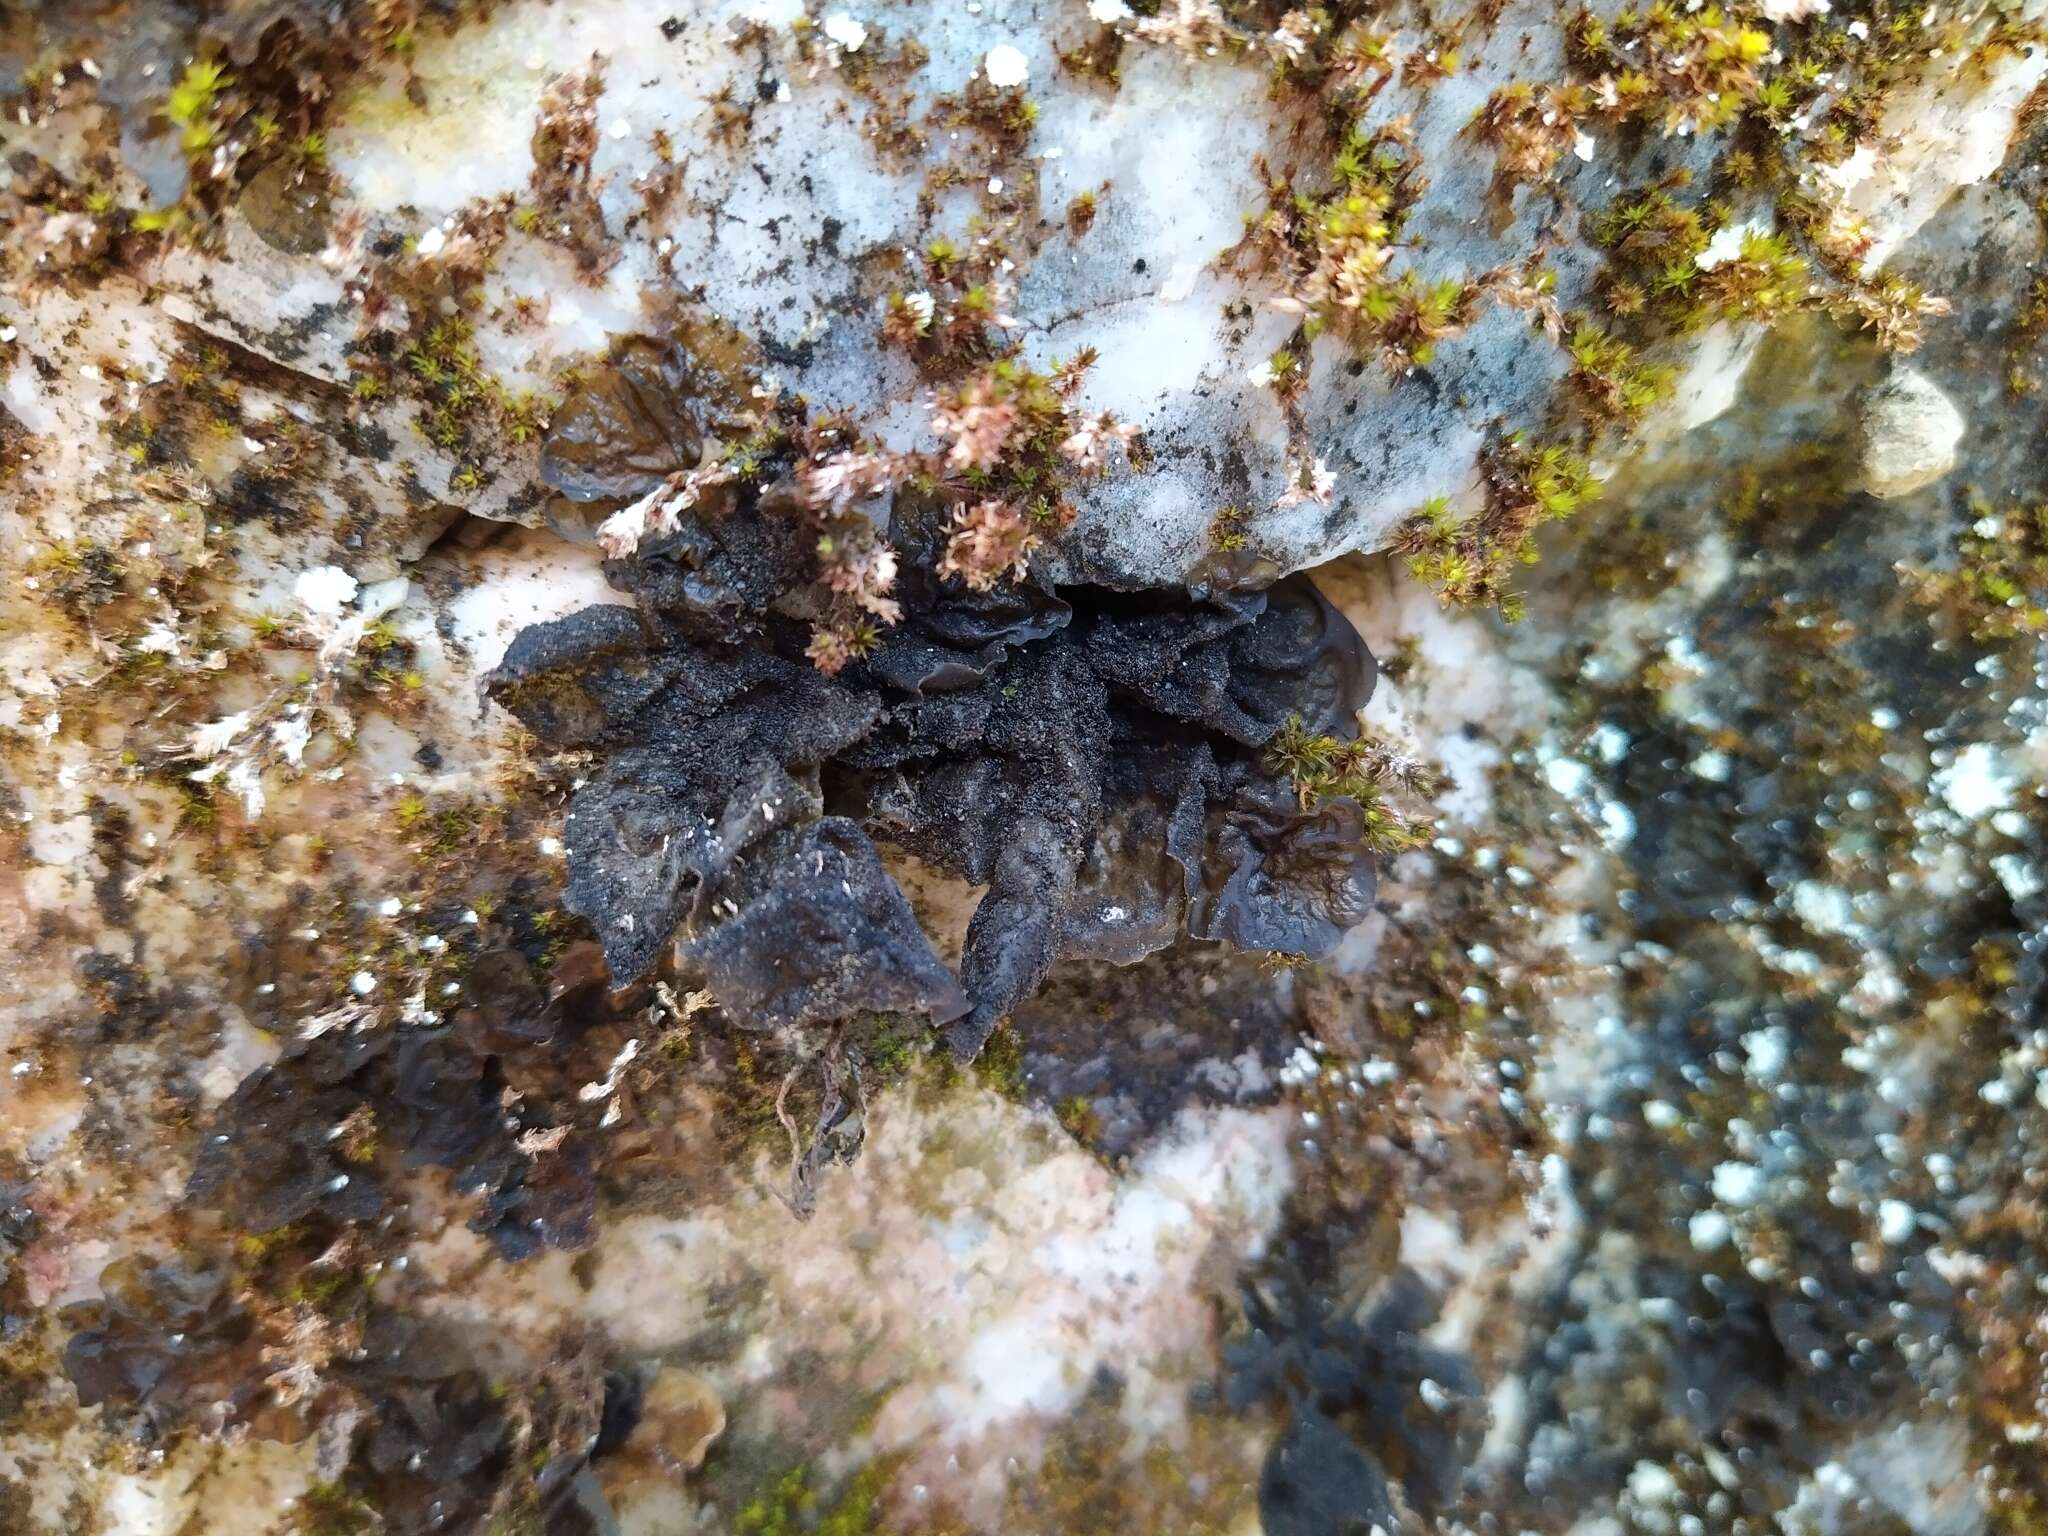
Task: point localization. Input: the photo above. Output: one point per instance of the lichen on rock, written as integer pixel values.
(1095, 760)
(1356, 605)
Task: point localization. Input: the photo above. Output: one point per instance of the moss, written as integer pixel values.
(1341, 250)
(1364, 769)
(359, 1134)
(17, 1505)
(1000, 1065)
(196, 808)
(1097, 1478)
(792, 1506)
(466, 411)
(1469, 560)
(889, 1045)
(1227, 533)
(193, 104)
(1081, 213)
(331, 1509)
(1098, 57)
(1612, 381)
(253, 1250)
(320, 1287)
(1077, 1117)
(1997, 588)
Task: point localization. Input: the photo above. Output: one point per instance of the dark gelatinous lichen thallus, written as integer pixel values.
(433, 1096)
(1095, 758)
(1372, 1407)
(426, 1442)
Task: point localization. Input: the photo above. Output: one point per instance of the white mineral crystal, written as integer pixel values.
(1005, 65)
(324, 590)
(846, 31)
(1910, 432)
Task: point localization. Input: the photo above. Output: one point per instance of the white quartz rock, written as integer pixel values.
(796, 220)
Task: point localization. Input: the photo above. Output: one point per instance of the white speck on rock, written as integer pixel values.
(1566, 775)
(1005, 65)
(1713, 767)
(845, 31)
(1896, 1220)
(1650, 1484)
(291, 735)
(1976, 783)
(1910, 433)
(213, 738)
(1822, 907)
(325, 590)
(1610, 743)
(1768, 1050)
(2020, 879)
(1738, 1184)
(246, 780)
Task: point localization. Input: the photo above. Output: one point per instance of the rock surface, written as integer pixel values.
(1659, 1151)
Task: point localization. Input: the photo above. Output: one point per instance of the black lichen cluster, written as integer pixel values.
(318, 1134)
(162, 1345)
(1373, 1409)
(422, 1441)
(1097, 759)
(450, 1449)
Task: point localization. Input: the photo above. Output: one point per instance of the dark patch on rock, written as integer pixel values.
(1358, 1416)
(287, 343)
(289, 206)
(641, 416)
(365, 440)
(1120, 1050)
(321, 1132)
(161, 1344)
(783, 355)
